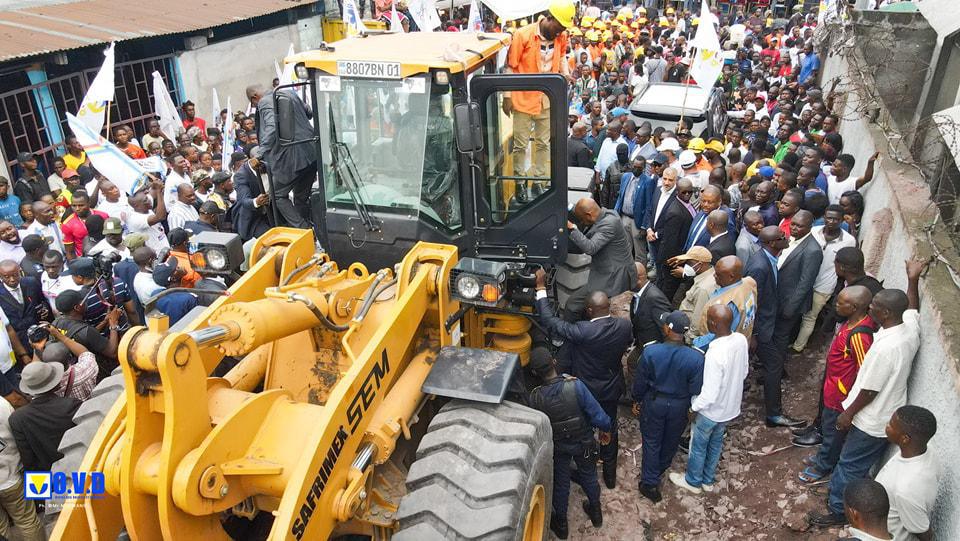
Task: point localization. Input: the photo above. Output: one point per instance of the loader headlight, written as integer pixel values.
(216, 259)
(302, 73)
(468, 286)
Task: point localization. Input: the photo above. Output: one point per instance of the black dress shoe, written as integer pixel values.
(826, 520)
(559, 527)
(783, 420)
(610, 477)
(805, 430)
(651, 492)
(811, 439)
(594, 512)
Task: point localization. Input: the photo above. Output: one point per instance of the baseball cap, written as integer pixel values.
(619, 111)
(696, 253)
(66, 300)
(220, 177)
(112, 226)
(210, 207)
(163, 273)
(25, 157)
(660, 159)
(670, 144)
(134, 241)
(69, 173)
(32, 242)
(676, 320)
(687, 158)
(82, 266)
(540, 360)
(766, 171)
(199, 175)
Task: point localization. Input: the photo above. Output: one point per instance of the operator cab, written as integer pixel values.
(387, 112)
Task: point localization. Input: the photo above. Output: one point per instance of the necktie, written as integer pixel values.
(695, 231)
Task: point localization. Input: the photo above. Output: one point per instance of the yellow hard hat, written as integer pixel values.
(639, 52)
(696, 144)
(641, 9)
(642, 20)
(592, 35)
(716, 146)
(587, 21)
(671, 11)
(563, 11)
(607, 35)
(695, 21)
(575, 31)
(664, 21)
(629, 35)
(599, 25)
(634, 25)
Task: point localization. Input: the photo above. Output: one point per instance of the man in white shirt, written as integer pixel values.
(16, 511)
(911, 476)
(724, 370)
(608, 150)
(112, 201)
(112, 241)
(143, 284)
(10, 247)
(866, 505)
(183, 210)
(45, 224)
(879, 390)
(52, 282)
(145, 220)
(179, 174)
(839, 181)
(831, 237)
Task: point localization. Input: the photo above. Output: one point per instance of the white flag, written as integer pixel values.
(474, 23)
(228, 138)
(395, 24)
(425, 14)
(215, 118)
(109, 160)
(707, 63)
(94, 107)
(352, 18)
(163, 107)
(288, 76)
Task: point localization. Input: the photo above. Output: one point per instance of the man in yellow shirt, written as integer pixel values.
(75, 156)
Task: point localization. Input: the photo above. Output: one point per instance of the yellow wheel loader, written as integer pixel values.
(372, 388)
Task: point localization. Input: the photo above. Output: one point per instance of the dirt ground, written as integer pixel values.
(759, 497)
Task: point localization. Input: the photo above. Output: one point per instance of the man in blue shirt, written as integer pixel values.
(174, 305)
(668, 375)
(810, 65)
(573, 413)
(9, 204)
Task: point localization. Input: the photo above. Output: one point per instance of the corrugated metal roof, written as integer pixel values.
(51, 28)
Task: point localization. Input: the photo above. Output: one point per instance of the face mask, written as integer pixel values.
(688, 271)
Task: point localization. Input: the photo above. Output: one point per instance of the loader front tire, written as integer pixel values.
(482, 471)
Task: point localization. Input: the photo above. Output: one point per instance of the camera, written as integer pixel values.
(38, 333)
(104, 263)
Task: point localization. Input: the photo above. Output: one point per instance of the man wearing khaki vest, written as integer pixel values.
(737, 292)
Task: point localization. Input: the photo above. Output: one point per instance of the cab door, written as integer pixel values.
(520, 173)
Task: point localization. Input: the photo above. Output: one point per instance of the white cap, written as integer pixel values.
(687, 158)
(670, 144)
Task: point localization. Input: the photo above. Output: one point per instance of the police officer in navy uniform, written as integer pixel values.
(573, 413)
(669, 374)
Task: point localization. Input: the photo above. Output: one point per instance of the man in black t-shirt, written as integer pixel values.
(71, 322)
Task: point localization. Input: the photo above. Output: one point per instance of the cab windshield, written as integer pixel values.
(397, 136)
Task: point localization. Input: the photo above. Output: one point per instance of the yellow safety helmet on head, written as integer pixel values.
(695, 21)
(575, 31)
(563, 11)
(641, 9)
(696, 144)
(592, 35)
(599, 25)
(664, 21)
(671, 11)
(587, 21)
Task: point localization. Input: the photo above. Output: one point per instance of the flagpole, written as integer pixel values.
(683, 104)
(109, 103)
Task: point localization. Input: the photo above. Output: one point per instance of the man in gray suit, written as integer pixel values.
(294, 167)
(747, 240)
(605, 241)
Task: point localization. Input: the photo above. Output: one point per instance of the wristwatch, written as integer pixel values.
(114, 327)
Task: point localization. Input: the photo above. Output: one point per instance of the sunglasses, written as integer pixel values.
(687, 191)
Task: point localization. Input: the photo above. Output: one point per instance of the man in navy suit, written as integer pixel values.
(22, 300)
(592, 352)
(668, 224)
(637, 190)
(252, 216)
(762, 267)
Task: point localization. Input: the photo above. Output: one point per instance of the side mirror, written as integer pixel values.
(466, 122)
(284, 117)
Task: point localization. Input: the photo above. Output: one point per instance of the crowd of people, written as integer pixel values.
(738, 246)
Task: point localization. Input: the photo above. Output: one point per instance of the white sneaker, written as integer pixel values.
(681, 481)
(708, 488)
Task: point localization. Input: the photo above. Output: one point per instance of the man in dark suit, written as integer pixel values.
(293, 167)
(721, 242)
(22, 300)
(251, 217)
(605, 241)
(592, 352)
(645, 308)
(668, 223)
(762, 267)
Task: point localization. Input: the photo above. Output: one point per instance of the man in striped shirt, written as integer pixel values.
(850, 345)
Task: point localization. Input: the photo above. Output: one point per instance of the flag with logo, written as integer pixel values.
(215, 118)
(229, 131)
(707, 63)
(93, 109)
(163, 107)
(109, 161)
(425, 14)
(352, 18)
(474, 23)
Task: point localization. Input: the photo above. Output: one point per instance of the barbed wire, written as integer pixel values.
(883, 83)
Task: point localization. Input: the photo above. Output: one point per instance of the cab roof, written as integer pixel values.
(417, 52)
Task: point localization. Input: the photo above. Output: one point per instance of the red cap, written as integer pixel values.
(68, 173)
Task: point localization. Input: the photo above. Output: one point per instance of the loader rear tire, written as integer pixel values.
(76, 441)
(482, 471)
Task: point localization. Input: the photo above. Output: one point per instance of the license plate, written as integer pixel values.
(370, 70)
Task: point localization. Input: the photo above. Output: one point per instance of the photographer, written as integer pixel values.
(102, 293)
(70, 322)
(79, 364)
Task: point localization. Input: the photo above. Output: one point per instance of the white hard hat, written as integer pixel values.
(670, 144)
(687, 158)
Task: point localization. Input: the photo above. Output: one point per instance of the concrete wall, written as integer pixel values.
(232, 65)
(897, 209)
